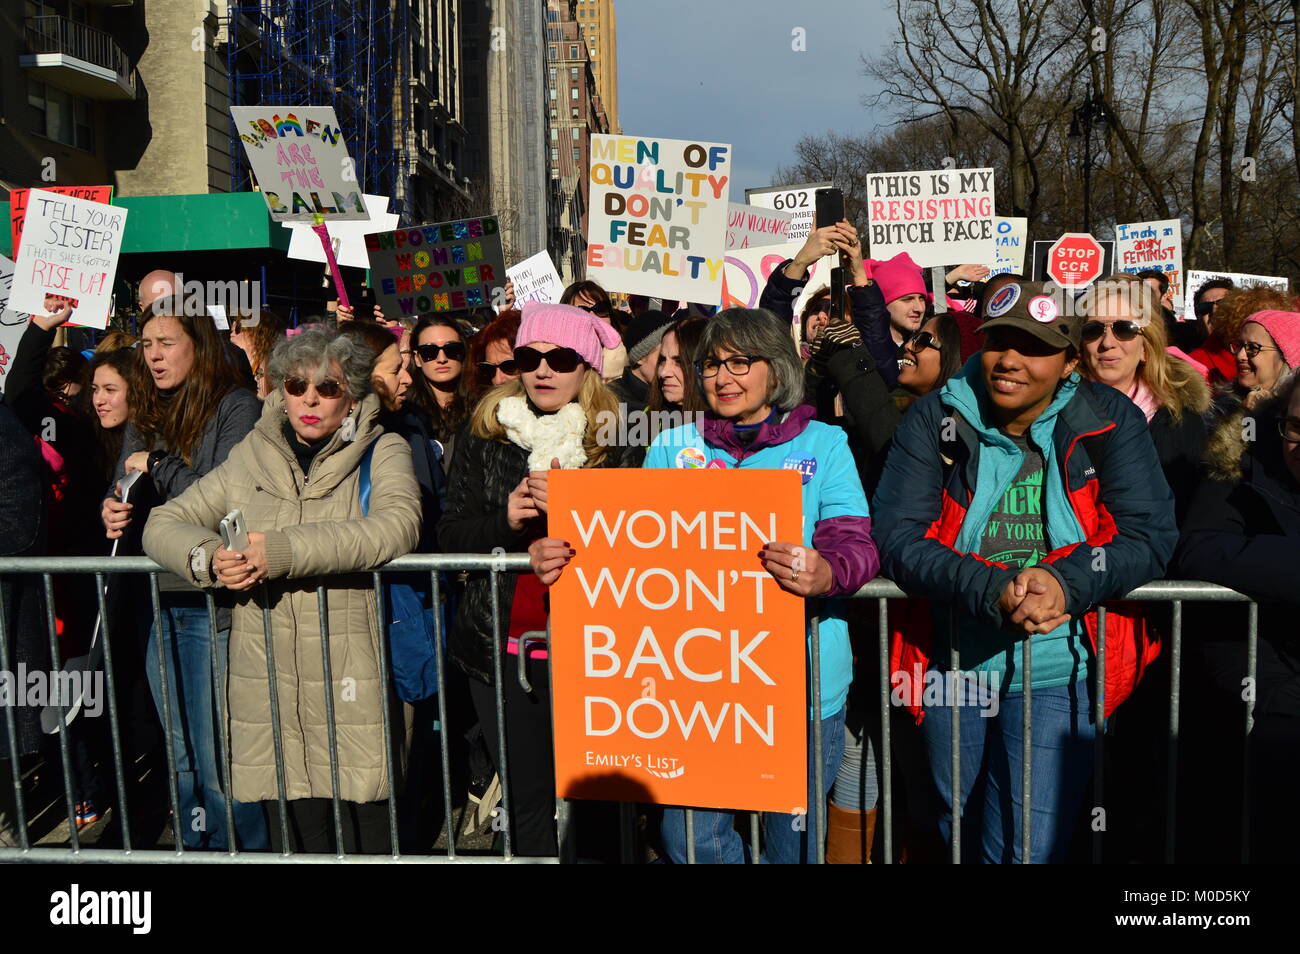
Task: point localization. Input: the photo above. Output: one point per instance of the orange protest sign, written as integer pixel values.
(678, 665)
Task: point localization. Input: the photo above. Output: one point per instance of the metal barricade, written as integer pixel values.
(880, 590)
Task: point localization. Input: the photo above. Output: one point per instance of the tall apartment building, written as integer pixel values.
(576, 114)
(600, 30)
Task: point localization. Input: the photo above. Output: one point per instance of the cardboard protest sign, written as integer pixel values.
(1152, 245)
(450, 266)
(800, 201)
(300, 159)
(1010, 238)
(678, 665)
(657, 221)
(1195, 279)
(535, 279)
(12, 323)
(348, 238)
(18, 199)
(943, 217)
(1041, 250)
(748, 270)
(751, 226)
(70, 249)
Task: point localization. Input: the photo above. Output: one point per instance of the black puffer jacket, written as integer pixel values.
(483, 473)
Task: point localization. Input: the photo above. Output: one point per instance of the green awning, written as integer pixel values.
(191, 223)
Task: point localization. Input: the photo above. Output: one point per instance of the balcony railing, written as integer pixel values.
(59, 35)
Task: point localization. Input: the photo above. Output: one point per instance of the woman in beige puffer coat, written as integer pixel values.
(296, 478)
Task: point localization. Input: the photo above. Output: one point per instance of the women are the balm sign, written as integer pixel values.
(657, 223)
(679, 666)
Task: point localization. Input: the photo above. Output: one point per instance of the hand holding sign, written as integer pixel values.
(548, 558)
(520, 506)
(59, 312)
(537, 485)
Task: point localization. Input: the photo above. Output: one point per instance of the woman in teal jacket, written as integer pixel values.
(1022, 496)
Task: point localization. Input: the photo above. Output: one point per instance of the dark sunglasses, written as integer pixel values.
(1122, 330)
(559, 360)
(329, 388)
(454, 350)
(1204, 308)
(922, 340)
(600, 308)
(488, 370)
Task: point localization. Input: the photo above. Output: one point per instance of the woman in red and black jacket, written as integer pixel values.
(1021, 496)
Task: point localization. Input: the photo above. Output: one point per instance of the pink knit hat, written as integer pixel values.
(898, 276)
(1284, 328)
(568, 326)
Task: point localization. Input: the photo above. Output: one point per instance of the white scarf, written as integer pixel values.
(548, 436)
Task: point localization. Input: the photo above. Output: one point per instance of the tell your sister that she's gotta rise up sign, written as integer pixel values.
(657, 223)
(301, 162)
(678, 665)
(449, 266)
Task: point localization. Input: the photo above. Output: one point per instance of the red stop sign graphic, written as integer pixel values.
(1075, 260)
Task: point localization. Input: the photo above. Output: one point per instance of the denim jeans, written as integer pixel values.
(789, 839)
(992, 766)
(187, 655)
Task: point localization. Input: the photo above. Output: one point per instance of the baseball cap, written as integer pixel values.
(1037, 308)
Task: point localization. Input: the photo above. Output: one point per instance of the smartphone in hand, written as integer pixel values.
(234, 532)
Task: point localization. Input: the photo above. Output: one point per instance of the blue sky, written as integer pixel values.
(724, 71)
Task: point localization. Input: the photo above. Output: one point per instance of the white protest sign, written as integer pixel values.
(12, 323)
(798, 200)
(301, 162)
(219, 317)
(1152, 245)
(748, 270)
(535, 279)
(751, 226)
(1195, 279)
(941, 217)
(347, 237)
(657, 221)
(70, 249)
(1010, 237)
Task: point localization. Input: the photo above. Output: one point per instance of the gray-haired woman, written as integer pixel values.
(298, 479)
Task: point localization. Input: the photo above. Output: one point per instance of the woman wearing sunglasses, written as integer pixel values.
(438, 384)
(1267, 348)
(1124, 347)
(548, 417)
(297, 478)
(1243, 531)
(491, 357)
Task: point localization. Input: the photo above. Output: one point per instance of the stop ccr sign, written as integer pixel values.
(1075, 260)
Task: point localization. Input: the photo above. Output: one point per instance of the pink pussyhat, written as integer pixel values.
(898, 276)
(568, 326)
(1284, 328)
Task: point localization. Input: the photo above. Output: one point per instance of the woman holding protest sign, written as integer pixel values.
(752, 381)
(188, 418)
(548, 417)
(323, 492)
(1022, 496)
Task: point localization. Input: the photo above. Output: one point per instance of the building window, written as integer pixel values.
(552, 94)
(61, 116)
(555, 134)
(575, 112)
(573, 92)
(577, 132)
(554, 113)
(555, 155)
(577, 154)
(573, 52)
(573, 73)
(552, 52)
(551, 73)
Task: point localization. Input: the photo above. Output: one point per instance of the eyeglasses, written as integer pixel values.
(488, 370)
(600, 308)
(1252, 348)
(328, 389)
(454, 350)
(559, 360)
(1204, 308)
(737, 365)
(922, 340)
(1123, 330)
(1289, 428)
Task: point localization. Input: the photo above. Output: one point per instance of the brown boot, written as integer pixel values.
(849, 835)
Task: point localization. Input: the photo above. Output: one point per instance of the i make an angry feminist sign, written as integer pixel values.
(658, 219)
(678, 665)
(301, 163)
(450, 266)
(943, 217)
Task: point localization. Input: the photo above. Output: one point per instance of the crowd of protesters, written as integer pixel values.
(1015, 458)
